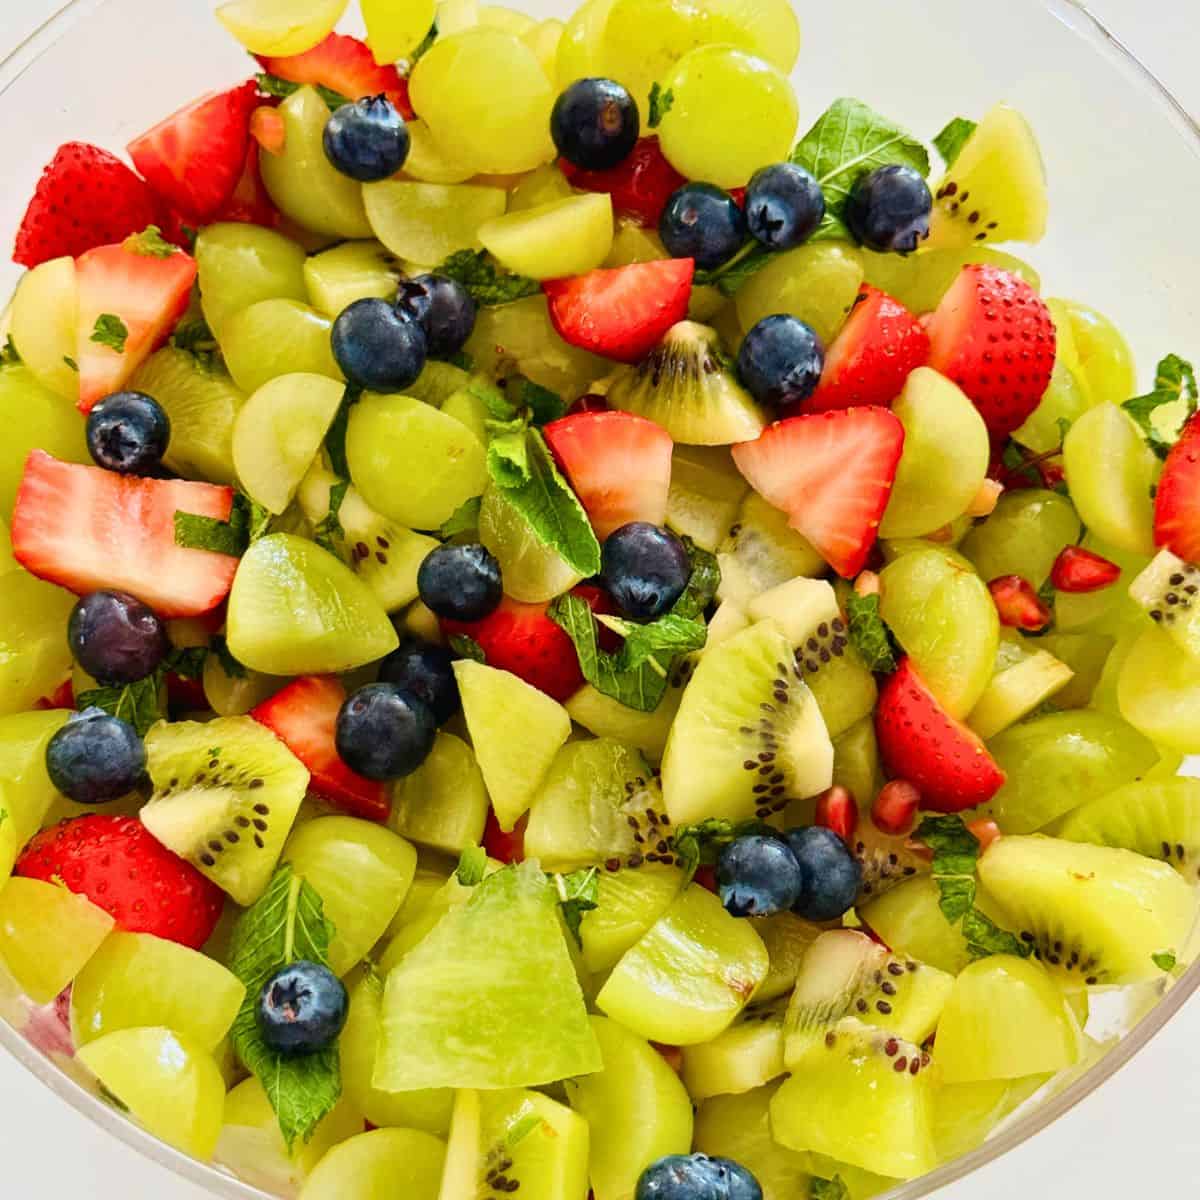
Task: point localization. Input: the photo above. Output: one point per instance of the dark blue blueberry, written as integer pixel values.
(460, 583)
(696, 1177)
(384, 732)
(378, 348)
(702, 222)
(595, 124)
(115, 638)
(784, 206)
(95, 757)
(128, 432)
(367, 140)
(781, 361)
(443, 308)
(302, 1009)
(889, 209)
(758, 877)
(832, 875)
(427, 671)
(645, 569)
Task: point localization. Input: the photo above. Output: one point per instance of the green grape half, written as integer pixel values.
(1158, 692)
(768, 28)
(1024, 536)
(238, 265)
(1103, 353)
(578, 54)
(642, 40)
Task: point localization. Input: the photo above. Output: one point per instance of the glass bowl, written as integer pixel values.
(1108, 129)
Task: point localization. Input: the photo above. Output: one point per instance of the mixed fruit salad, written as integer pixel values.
(560, 636)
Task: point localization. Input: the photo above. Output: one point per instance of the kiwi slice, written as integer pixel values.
(886, 862)
(606, 717)
(1015, 691)
(1091, 913)
(1085, 654)
(787, 939)
(966, 1113)
(443, 805)
(706, 492)
(762, 551)
(226, 793)
(628, 903)
(689, 388)
(909, 918)
(748, 737)
(1169, 590)
(352, 271)
(856, 764)
(746, 1056)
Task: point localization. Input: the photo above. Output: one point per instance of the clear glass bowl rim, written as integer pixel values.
(218, 1183)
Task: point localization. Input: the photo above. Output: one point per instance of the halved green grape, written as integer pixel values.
(337, 277)
(641, 41)
(1065, 399)
(238, 265)
(1023, 536)
(469, 408)
(1110, 610)
(45, 319)
(378, 1165)
(34, 656)
(235, 695)
(428, 222)
(395, 30)
(532, 571)
(634, 244)
(919, 281)
(443, 805)
(274, 338)
(540, 187)
(280, 27)
(1085, 655)
(579, 48)
(1159, 692)
(28, 790)
(428, 162)
(437, 382)
(767, 28)
(731, 113)
(543, 39)
(1104, 354)
(564, 237)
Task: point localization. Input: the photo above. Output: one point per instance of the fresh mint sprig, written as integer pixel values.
(869, 633)
(953, 138)
(1174, 382)
(487, 283)
(110, 331)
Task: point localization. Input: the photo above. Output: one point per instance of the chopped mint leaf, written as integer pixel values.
(110, 331)
(700, 845)
(230, 665)
(288, 924)
(231, 537)
(953, 138)
(272, 85)
(542, 404)
(508, 453)
(329, 529)
(1174, 382)
(150, 243)
(463, 361)
(488, 284)
(472, 864)
(1165, 960)
(518, 1131)
(71, 363)
(141, 703)
(657, 644)
(828, 1189)
(464, 519)
(467, 647)
(869, 633)
(578, 893)
(661, 102)
(9, 356)
(702, 584)
(188, 663)
(194, 337)
(499, 407)
(257, 517)
(335, 439)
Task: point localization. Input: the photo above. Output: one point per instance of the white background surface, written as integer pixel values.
(1138, 1134)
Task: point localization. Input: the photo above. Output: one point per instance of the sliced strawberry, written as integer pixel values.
(195, 157)
(618, 464)
(505, 847)
(832, 473)
(304, 716)
(85, 198)
(640, 186)
(62, 697)
(994, 336)
(85, 529)
(121, 868)
(879, 347)
(1018, 604)
(1079, 570)
(837, 810)
(625, 312)
(1177, 502)
(267, 129)
(130, 296)
(920, 742)
(250, 202)
(344, 65)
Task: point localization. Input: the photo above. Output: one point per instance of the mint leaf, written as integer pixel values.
(828, 1189)
(499, 406)
(187, 664)
(141, 703)
(702, 584)
(195, 338)
(578, 893)
(541, 403)
(329, 529)
(487, 284)
(472, 865)
(869, 634)
(9, 357)
(230, 665)
(272, 85)
(953, 138)
(1174, 381)
(1164, 960)
(508, 453)
(286, 925)
(657, 644)
(661, 103)
(110, 331)
(70, 362)
(335, 439)
(700, 845)
(464, 519)
(247, 522)
(467, 647)
(150, 243)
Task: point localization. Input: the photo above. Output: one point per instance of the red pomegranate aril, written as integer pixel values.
(1019, 606)
(1079, 570)
(505, 847)
(838, 810)
(895, 809)
(591, 403)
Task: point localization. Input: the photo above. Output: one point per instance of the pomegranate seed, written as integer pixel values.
(837, 810)
(591, 403)
(895, 808)
(672, 1054)
(1018, 604)
(867, 584)
(706, 877)
(1079, 570)
(984, 504)
(985, 832)
(504, 847)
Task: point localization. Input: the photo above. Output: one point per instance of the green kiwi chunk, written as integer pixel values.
(1169, 590)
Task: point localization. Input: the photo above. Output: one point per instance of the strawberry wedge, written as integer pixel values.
(304, 717)
(85, 529)
(345, 65)
(1177, 502)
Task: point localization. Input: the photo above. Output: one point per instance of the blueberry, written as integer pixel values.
(115, 638)
(367, 140)
(460, 583)
(443, 308)
(95, 757)
(384, 732)
(832, 875)
(595, 124)
(302, 1009)
(378, 348)
(702, 222)
(645, 569)
(758, 877)
(427, 671)
(781, 361)
(696, 1177)
(784, 206)
(128, 432)
(889, 209)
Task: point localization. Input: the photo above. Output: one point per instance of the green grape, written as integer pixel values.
(235, 695)
(564, 237)
(34, 656)
(337, 277)
(45, 317)
(428, 222)
(766, 28)
(507, 19)
(1110, 471)
(578, 54)
(428, 162)
(1066, 399)
(280, 27)
(7, 562)
(817, 283)
(1111, 610)
(634, 244)
(1104, 354)
(1024, 536)
(945, 619)
(274, 338)
(1158, 691)
(543, 39)
(533, 572)
(395, 30)
(238, 265)
(540, 187)
(919, 281)
(455, 16)
(642, 40)
(487, 101)
(731, 114)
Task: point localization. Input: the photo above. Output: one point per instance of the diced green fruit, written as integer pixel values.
(706, 493)
(636, 1109)
(1085, 655)
(428, 222)
(533, 572)
(379, 1165)
(1104, 354)
(919, 281)
(443, 805)
(746, 1056)
(438, 381)
(628, 903)
(45, 321)
(276, 338)
(235, 695)
(295, 609)
(336, 278)
(240, 264)
(689, 976)
(34, 656)
(428, 161)
(1016, 691)
(494, 704)
(427, 882)
(762, 551)
(1065, 399)
(467, 407)
(606, 717)
(1023, 536)
(28, 791)
(965, 1113)
(787, 939)
(570, 236)
(1158, 691)
(8, 835)
(856, 762)
(1162, 590)
(909, 918)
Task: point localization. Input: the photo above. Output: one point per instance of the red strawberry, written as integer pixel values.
(1080, 570)
(938, 755)
(505, 847)
(344, 65)
(832, 473)
(85, 198)
(993, 336)
(84, 529)
(303, 716)
(895, 808)
(1177, 502)
(130, 296)
(195, 157)
(879, 347)
(121, 868)
(640, 186)
(267, 129)
(62, 697)
(1019, 605)
(837, 810)
(618, 464)
(250, 202)
(625, 312)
